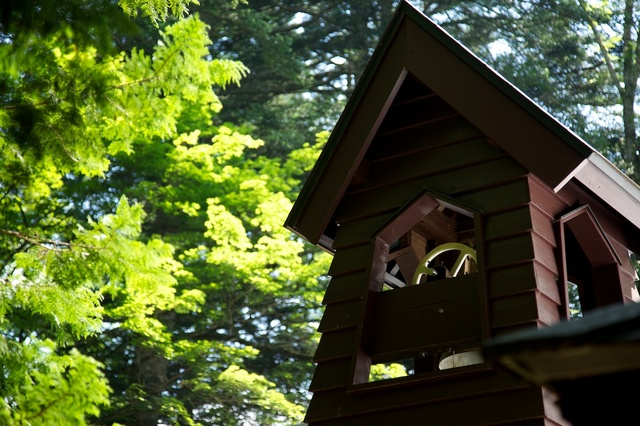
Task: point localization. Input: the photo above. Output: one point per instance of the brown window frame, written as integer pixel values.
(580, 229)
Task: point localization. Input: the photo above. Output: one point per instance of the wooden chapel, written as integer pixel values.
(457, 211)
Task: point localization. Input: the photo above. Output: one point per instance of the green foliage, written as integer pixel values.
(41, 387)
(83, 267)
(386, 371)
(76, 106)
(258, 390)
(156, 10)
(304, 57)
(255, 288)
(154, 89)
(146, 275)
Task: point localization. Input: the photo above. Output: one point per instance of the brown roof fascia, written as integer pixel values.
(612, 186)
(347, 144)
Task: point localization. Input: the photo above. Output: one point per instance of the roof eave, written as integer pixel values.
(615, 188)
(293, 221)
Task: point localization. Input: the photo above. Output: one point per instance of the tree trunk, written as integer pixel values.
(151, 374)
(630, 78)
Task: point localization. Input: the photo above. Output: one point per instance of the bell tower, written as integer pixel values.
(450, 224)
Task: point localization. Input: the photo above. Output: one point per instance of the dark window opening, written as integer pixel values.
(581, 297)
(593, 274)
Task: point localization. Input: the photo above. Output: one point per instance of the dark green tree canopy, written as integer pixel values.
(146, 273)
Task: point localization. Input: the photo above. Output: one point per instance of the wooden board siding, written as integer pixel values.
(546, 200)
(442, 159)
(345, 303)
(371, 200)
(498, 197)
(469, 168)
(627, 272)
(328, 403)
(351, 259)
(508, 222)
(411, 111)
(341, 315)
(511, 250)
(358, 232)
(336, 344)
(444, 129)
(423, 406)
(345, 287)
(527, 276)
(332, 374)
(489, 109)
(534, 270)
(444, 312)
(522, 310)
